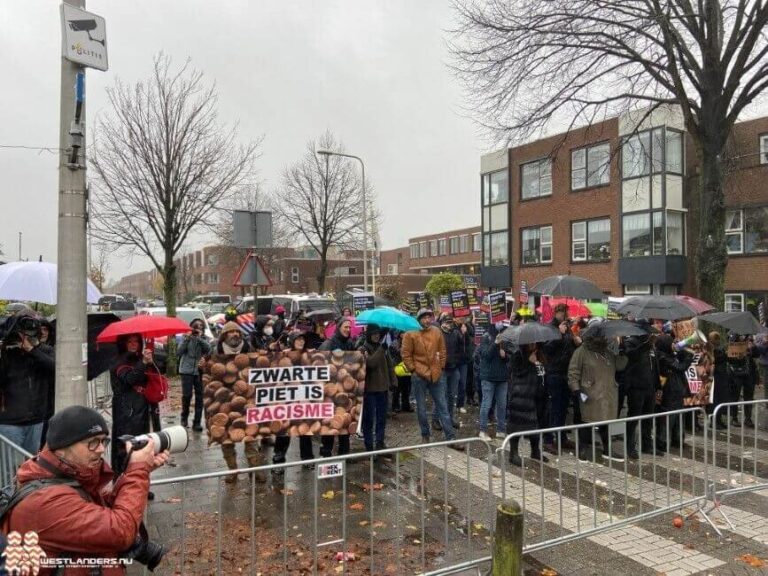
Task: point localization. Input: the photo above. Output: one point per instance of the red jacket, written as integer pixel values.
(68, 524)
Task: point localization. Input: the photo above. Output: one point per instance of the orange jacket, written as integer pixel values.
(424, 354)
(69, 525)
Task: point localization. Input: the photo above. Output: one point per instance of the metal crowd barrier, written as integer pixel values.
(426, 509)
(100, 394)
(11, 457)
(609, 493)
(740, 461)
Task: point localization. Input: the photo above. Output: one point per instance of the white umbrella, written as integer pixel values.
(35, 282)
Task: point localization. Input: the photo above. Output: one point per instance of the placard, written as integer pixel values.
(460, 304)
(445, 304)
(737, 350)
(331, 470)
(481, 321)
(523, 292)
(701, 382)
(361, 302)
(472, 281)
(498, 306)
(682, 329)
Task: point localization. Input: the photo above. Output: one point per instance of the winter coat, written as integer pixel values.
(259, 340)
(243, 350)
(593, 371)
(525, 396)
(557, 353)
(467, 344)
(721, 377)
(190, 351)
(379, 369)
(761, 350)
(454, 344)
(26, 385)
(130, 409)
(104, 526)
(424, 353)
(493, 367)
(673, 366)
(642, 371)
(338, 342)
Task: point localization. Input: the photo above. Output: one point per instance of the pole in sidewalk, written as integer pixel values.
(508, 540)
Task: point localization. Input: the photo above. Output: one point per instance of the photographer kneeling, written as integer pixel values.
(71, 503)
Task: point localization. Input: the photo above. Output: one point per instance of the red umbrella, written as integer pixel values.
(699, 306)
(145, 325)
(576, 308)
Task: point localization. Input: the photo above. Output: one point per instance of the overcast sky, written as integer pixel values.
(372, 71)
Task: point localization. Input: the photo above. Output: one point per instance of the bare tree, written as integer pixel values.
(320, 202)
(526, 63)
(99, 265)
(164, 166)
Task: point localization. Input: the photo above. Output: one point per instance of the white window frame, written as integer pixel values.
(453, 245)
(763, 148)
(581, 242)
(414, 250)
(442, 246)
(477, 242)
(542, 245)
(735, 231)
(433, 247)
(423, 249)
(544, 177)
(739, 296)
(585, 168)
(463, 244)
(637, 289)
(294, 275)
(391, 269)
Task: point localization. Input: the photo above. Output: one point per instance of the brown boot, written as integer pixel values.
(230, 457)
(255, 458)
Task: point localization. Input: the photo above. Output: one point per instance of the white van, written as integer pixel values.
(291, 302)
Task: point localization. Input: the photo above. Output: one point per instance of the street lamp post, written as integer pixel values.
(327, 153)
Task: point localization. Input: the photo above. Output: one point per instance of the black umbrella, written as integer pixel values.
(529, 333)
(612, 329)
(322, 312)
(101, 356)
(568, 286)
(742, 323)
(661, 307)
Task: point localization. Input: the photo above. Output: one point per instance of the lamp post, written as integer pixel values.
(327, 153)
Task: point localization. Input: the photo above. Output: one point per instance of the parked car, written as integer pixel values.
(123, 309)
(291, 302)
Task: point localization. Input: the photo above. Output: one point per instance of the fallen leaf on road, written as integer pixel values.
(369, 487)
(172, 500)
(286, 492)
(328, 495)
(363, 523)
(753, 561)
(411, 527)
(356, 506)
(548, 572)
(379, 524)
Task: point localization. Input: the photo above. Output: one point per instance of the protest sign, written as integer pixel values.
(472, 281)
(481, 321)
(523, 292)
(701, 382)
(498, 306)
(445, 305)
(460, 304)
(361, 302)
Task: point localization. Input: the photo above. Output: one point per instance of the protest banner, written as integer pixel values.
(445, 305)
(361, 302)
(523, 292)
(481, 320)
(472, 281)
(498, 306)
(252, 396)
(460, 304)
(737, 350)
(701, 382)
(472, 298)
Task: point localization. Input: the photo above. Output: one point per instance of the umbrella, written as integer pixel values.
(661, 307)
(35, 282)
(529, 333)
(597, 309)
(322, 312)
(388, 317)
(742, 323)
(575, 308)
(571, 286)
(146, 325)
(613, 329)
(99, 357)
(699, 306)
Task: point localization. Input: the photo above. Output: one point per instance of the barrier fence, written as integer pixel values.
(11, 457)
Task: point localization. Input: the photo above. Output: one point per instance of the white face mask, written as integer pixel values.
(268, 331)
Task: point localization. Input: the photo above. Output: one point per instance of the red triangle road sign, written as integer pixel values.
(252, 272)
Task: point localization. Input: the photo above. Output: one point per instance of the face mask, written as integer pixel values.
(234, 340)
(268, 331)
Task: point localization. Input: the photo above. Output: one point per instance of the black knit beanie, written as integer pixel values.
(73, 424)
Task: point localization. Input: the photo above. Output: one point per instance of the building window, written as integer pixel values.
(422, 249)
(643, 234)
(674, 151)
(746, 230)
(454, 244)
(675, 233)
(495, 221)
(213, 259)
(463, 244)
(414, 251)
(495, 188)
(212, 278)
(295, 275)
(433, 248)
(734, 302)
(477, 243)
(636, 289)
(537, 245)
(441, 245)
(764, 149)
(652, 151)
(282, 275)
(496, 249)
(536, 180)
(590, 166)
(391, 268)
(591, 240)
(636, 235)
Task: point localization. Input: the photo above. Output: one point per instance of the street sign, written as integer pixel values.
(83, 37)
(252, 273)
(330, 470)
(362, 301)
(252, 229)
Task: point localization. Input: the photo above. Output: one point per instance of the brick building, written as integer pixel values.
(455, 251)
(611, 203)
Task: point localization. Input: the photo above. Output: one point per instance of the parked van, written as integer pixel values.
(291, 302)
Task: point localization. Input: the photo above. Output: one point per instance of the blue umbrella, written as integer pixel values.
(388, 317)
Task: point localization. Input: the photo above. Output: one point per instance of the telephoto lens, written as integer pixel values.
(174, 439)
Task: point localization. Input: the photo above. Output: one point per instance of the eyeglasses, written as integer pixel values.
(93, 443)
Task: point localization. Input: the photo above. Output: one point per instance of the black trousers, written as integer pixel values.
(326, 445)
(283, 442)
(191, 383)
(746, 385)
(639, 403)
(401, 396)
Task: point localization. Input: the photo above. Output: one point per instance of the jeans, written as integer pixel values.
(374, 413)
(491, 391)
(450, 382)
(420, 387)
(461, 397)
(559, 397)
(27, 436)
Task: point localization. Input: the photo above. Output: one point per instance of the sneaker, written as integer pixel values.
(484, 436)
(458, 447)
(436, 425)
(462, 410)
(197, 428)
(613, 456)
(456, 425)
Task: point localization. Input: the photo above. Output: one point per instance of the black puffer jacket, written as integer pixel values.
(557, 353)
(722, 378)
(642, 371)
(338, 342)
(525, 397)
(26, 385)
(454, 348)
(467, 344)
(673, 366)
(259, 340)
(130, 409)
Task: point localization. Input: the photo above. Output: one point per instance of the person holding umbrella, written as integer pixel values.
(526, 401)
(379, 378)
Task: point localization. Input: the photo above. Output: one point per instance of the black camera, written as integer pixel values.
(144, 551)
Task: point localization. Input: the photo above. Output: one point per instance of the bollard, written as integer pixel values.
(508, 540)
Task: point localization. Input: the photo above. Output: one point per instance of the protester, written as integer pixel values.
(193, 348)
(641, 379)
(279, 324)
(401, 396)
(467, 347)
(379, 378)
(263, 335)
(721, 379)
(424, 357)
(450, 376)
(314, 338)
(47, 333)
(494, 380)
(526, 401)
(741, 381)
(557, 356)
(672, 367)
(83, 511)
(231, 342)
(341, 340)
(592, 377)
(27, 380)
(346, 312)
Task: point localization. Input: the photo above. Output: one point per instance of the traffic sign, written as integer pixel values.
(83, 37)
(252, 273)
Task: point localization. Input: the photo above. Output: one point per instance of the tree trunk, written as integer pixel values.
(321, 275)
(169, 293)
(711, 253)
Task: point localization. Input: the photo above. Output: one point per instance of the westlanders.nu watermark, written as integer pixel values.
(84, 562)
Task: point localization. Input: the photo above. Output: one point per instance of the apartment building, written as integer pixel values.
(455, 251)
(612, 203)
